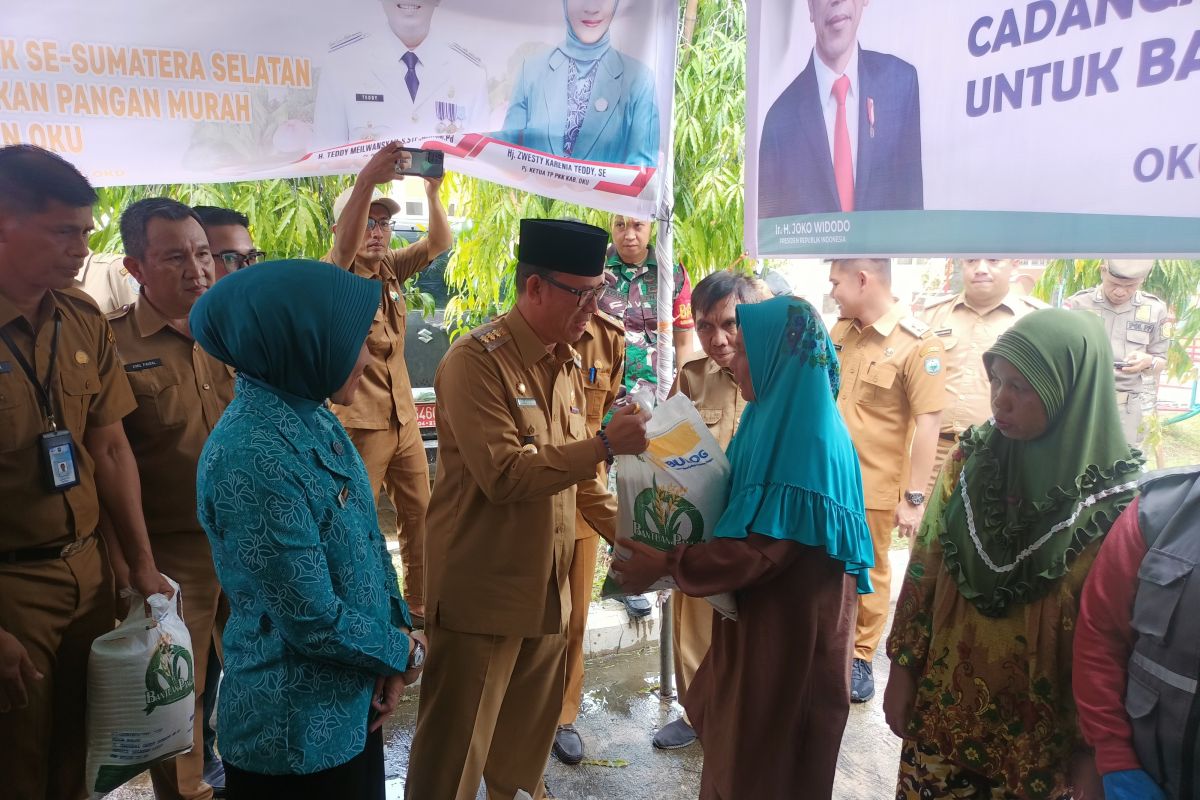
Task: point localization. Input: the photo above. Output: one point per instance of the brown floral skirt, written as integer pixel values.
(925, 775)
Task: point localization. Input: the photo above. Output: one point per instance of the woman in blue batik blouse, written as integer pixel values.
(318, 647)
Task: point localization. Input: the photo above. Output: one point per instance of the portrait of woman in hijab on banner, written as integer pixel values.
(584, 99)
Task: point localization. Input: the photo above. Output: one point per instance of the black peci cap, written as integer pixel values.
(563, 246)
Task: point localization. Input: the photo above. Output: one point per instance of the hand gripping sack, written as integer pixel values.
(141, 694)
(675, 492)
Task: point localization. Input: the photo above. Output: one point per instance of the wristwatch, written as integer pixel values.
(416, 655)
(914, 498)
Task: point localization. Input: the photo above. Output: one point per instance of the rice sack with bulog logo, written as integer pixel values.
(675, 492)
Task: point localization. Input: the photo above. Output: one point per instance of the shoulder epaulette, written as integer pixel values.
(80, 297)
(1148, 296)
(916, 327)
(492, 336)
(467, 54)
(1034, 302)
(345, 42)
(117, 313)
(941, 300)
(604, 316)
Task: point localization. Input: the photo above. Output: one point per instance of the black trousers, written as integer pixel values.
(360, 778)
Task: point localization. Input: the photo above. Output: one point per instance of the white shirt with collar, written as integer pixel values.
(825, 80)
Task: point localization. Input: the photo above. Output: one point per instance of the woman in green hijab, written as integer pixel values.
(793, 544)
(981, 646)
(318, 646)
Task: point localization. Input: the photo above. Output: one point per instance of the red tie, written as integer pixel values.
(843, 161)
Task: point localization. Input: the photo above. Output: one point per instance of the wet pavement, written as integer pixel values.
(621, 712)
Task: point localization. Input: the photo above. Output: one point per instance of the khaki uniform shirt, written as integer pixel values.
(967, 334)
(385, 392)
(1142, 324)
(181, 392)
(715, 393)
(89, 391)
(106, 280)
(602, 351)
(891, 372)
(512, 445)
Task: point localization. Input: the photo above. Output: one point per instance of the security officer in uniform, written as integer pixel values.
(406, 81)
(181, 392)
(968, 323)
(382, 423)
(602, 351)
(1139, 330)
(512, 446)
(891, 398)
(63, 455)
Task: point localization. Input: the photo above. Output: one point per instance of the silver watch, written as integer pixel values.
(914, 498)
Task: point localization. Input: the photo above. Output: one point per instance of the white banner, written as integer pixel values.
(980, 127)
(567, 98)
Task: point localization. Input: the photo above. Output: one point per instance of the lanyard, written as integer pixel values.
(43, 389)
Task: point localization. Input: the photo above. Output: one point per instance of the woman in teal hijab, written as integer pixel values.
(318, 646)
(771, 699)
(584, 99)
(982, 642)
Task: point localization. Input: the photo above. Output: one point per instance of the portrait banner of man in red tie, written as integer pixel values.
(845, 134)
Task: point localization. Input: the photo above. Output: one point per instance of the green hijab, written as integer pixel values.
(1022, 511)
(293, 327)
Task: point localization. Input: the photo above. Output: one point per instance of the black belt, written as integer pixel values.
(44, 553)
(949, 437)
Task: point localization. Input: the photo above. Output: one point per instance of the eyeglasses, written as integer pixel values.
(385, 224)
(235, 260)
(582, 296)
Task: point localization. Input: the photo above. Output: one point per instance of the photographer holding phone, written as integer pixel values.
(382, 423)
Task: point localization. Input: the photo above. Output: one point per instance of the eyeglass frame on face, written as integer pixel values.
(373, 223)
(582, 296)
(234, 260)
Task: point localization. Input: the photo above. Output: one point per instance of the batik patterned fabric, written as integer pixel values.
(315, 606)
(579, 97)
(924, 774)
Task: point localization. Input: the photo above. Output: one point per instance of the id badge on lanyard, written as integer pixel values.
(57, 447)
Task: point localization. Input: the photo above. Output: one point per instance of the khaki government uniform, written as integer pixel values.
(602, 348)
(107, 281)
(512, 446)
(181, 392)
(967, 335)
(891, 372)
(716, 395)
(54, 606)
(1143, 324)
(382, 423)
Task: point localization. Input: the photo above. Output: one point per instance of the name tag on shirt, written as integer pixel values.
(526, 402)
(139, 366)
(369, 98)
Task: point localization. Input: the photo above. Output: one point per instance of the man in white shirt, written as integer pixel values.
(407, 81)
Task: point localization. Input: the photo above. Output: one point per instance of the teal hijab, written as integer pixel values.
(580, 53)
(293, 327)
(795, 471)
(1022, 511)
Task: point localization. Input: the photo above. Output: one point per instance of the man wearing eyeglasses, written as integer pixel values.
(228, 234)
(382, 423)
(181, 392)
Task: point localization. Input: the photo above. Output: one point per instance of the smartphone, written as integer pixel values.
(1119, 365)
(421, 163)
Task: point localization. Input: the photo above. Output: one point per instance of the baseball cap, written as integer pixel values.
(339, 205)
